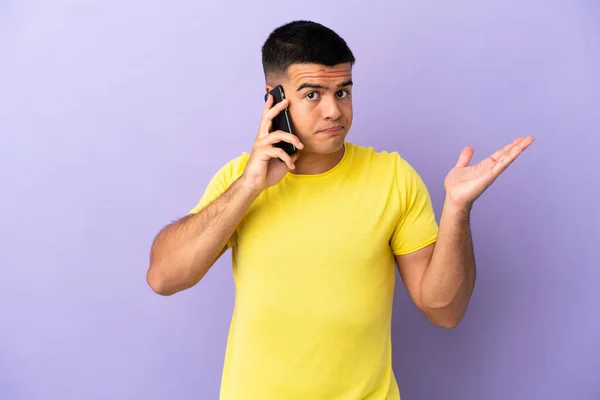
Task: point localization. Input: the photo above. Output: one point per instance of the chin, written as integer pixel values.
(330, 146)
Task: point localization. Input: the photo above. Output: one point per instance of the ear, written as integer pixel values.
(268, 88)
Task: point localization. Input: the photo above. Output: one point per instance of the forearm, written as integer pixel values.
(449, 278)
(184, 251)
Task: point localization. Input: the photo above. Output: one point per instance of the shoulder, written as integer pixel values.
(232, 169)
(237, 164)
(390, 160)
(221, 180)
(388, 165)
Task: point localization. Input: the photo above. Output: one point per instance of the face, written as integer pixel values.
(320, 105)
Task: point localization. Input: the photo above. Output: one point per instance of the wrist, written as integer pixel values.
(247, 188)
(457, 208)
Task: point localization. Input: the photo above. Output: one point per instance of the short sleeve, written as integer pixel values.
(417, 226)
(218, 184)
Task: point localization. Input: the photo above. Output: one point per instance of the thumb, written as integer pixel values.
(465, 157)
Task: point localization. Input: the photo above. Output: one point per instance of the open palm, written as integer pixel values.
(465, 183)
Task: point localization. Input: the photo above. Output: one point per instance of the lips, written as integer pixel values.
(332, 129)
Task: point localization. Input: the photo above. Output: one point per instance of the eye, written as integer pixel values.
(342, 93)
(311, 95)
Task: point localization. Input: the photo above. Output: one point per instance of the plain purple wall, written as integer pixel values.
(115, 114)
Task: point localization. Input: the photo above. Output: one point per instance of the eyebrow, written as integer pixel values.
(317, 86)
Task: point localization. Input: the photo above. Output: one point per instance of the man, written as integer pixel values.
(315, 238)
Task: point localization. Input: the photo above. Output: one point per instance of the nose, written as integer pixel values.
(331, 109)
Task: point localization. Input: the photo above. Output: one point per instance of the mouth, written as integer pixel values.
(332, 130)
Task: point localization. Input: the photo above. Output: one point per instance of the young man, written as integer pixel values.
(315, 238)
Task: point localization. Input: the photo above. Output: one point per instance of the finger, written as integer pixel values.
(506, 148)
(268, 104)
(276, 152)
(267, 119)
(278, 136)
(465, 157)
(276, 109)
(509, 157)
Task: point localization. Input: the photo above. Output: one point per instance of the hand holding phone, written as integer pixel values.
(269, 162)
(281, 122)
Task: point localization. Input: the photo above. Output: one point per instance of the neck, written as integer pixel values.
(310, 163)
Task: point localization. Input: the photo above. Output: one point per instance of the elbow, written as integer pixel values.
(158, 283)
(446, 323)
(443, 315)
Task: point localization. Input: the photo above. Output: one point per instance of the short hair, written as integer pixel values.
(302, 42)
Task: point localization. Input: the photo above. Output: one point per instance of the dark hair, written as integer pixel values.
(303, 42)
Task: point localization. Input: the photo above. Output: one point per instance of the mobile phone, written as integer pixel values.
(282, 121)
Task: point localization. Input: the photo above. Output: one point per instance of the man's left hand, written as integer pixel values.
(465, 183)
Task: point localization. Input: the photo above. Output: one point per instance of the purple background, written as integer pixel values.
(115, 114)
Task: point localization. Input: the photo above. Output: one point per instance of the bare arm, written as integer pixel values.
(440, 278)
(449, 278)
(184, 251)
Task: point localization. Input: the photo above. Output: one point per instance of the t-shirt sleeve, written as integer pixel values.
(417, 226)
(218, 184)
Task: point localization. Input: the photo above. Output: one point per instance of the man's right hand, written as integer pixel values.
(267, 164)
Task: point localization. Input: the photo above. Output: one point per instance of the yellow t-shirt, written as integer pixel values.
(314, 271)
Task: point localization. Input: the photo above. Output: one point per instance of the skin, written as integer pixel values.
(439, 278)
(319, 98)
